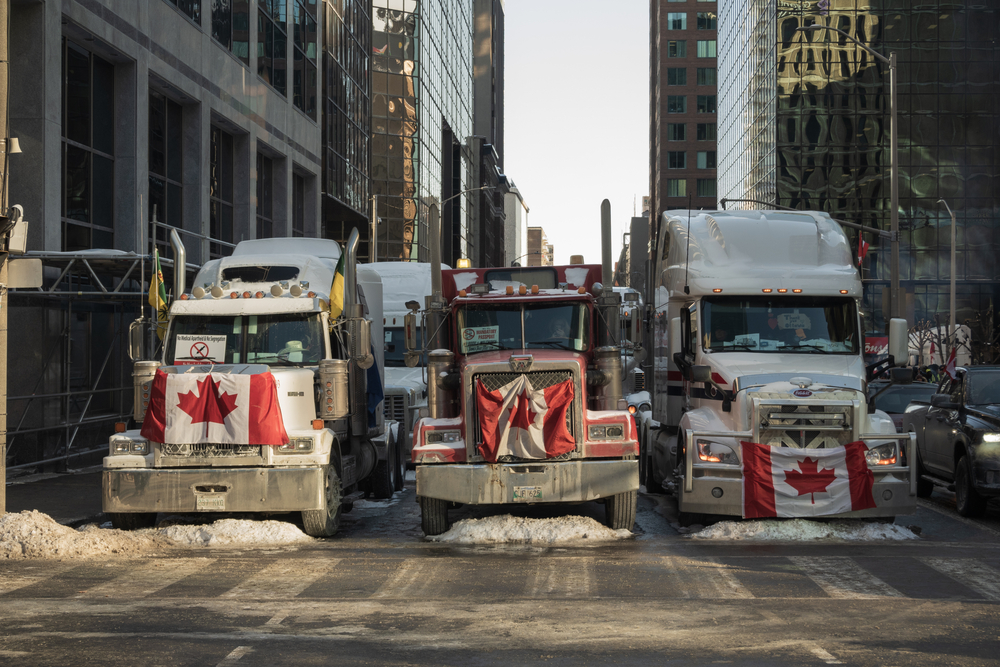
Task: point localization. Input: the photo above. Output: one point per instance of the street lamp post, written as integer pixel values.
(951, 300)
(895, 303)
(459, 194)
(533, 252)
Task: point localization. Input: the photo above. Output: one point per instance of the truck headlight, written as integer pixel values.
(123, 444)
(297, 446)
(883, 455)
(714, 452)
(991, 437)
(140, 447)
(435, 437)
(606, 432)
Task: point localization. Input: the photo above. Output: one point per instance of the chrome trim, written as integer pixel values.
(834, 381)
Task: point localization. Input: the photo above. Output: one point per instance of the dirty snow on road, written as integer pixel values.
(519, 530)
(803, 530)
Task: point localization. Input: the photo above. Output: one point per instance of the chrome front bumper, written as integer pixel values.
(541, 482)
(213, 490)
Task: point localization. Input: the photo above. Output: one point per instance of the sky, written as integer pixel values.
(576, 116)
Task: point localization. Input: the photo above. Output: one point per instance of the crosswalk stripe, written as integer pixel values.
(415, 578)
(704, 578)
(11, 581)
(563, 577)
(141, 579)
(971, 573)
(283, 579)
(840, 577)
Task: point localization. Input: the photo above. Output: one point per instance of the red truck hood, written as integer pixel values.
(503, 356)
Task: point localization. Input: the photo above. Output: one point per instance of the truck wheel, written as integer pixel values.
(325, 522)
(969, 503)
(383, 480)
(648, 480)
(619, 510)
(400, 467)
(433, 515)
(132, 520)
(688, 519)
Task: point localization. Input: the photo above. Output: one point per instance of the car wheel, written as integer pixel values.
(969, 503)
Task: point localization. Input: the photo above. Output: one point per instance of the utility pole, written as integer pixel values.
(4, 302)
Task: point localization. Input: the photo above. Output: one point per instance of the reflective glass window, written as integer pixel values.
(706, 48)
(706, 76)
(676, 104)
(676, 187)
(675, 131)
(706, 187)
(677, 48)
(706, 132)
(706, 103)
(231, 26)
(677, 21)
(676, 76)
(707, 21)
(676, 160)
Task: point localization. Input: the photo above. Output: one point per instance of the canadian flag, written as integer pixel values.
(791, 482)
(950, 366)
(518, 420)
(231, 408)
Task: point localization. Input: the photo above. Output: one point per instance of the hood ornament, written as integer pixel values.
(802, 382)
(521, 363)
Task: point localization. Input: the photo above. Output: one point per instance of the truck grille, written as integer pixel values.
(395, 407)
(809, 426)
(211, 451)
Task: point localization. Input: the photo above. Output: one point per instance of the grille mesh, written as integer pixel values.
(395, 407)
(539, 379)
(211, 450)
(806, 426)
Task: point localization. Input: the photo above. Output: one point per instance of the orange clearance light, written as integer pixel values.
(311, 295)
(234, 295)
(462, 292)
(581, 290)
(782, 290)
(258, 295)
(246, 295)
(843, 291)
(185, 297)
(631, 409)
(522, 290)
(510, 290)
(767, 290)
(317, 424)
(796, 291)
(534, 289)
(119, 427)
(717, 289)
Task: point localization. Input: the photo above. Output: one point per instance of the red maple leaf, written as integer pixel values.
(810, 480)
(209, 406)
(519, 416)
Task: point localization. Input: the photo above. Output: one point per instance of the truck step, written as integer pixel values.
(939, 482)
(347, 502)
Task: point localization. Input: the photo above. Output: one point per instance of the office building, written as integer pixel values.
(540, 251)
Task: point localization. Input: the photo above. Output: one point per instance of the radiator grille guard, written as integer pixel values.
(539, 380)
(395, 407)
(210, 451)
(815, 425)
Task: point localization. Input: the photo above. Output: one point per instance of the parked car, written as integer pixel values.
(895, 398)
(958, 438)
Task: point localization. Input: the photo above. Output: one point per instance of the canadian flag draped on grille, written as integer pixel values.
(792, 482)
(518, 420)
(230, 408)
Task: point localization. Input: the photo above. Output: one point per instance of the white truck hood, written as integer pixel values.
(412, 378)
(744, 365)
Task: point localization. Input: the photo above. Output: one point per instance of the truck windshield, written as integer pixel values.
(808, 325)
(278, 340)
(519, 326)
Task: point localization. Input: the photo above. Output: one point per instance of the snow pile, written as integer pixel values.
(802, 530)
(32, 534)
(509, 529)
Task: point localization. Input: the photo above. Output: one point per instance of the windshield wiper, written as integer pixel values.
(723, 348)
(554, 343)
(811, 346)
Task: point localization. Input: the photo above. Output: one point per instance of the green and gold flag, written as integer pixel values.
(337, 291)
(158, 296)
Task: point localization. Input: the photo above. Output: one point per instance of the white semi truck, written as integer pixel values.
(757, 337)
(261, 402)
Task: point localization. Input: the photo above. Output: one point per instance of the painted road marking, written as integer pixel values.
(704, 578)
(283, 578)
(235, 655)
(971, 573)
(840, 577)
(416, 578)
(142, 579)
(562, 577)
(11, 581)
(825, 656)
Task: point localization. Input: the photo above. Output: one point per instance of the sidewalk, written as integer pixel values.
(68, 498)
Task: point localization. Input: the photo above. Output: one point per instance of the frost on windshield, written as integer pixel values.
(788, 324)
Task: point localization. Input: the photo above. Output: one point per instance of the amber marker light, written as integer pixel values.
(311, 295)
(510, 290)
(185, 297)
(234, 295)
(534, 289)
(717, 290)
(258, 295)
(462, 293)
(522, 290)
(581, 290)
(767, 290)
(246, 295)
(782, 290)
(796, 291)
(317, 424)
(119, 427)
(843, 291)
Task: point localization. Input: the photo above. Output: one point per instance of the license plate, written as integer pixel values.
(527, 493)
(213, 502)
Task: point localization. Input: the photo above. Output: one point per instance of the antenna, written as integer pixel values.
(687, 259)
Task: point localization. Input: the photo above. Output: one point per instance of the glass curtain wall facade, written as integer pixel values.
(805, 124)
(422, 92)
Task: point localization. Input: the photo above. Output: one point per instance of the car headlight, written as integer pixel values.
(297, 446)
(435, 437)
(606, 432)
(883, 455)
(991, 437)
(714, 452)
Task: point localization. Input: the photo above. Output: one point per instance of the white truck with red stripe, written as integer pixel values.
(757, 339)
(263, 400)
(524, 392)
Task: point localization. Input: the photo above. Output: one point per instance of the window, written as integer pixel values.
(265, 197)
(706, 104)
(166, 185)
(190, 7)
(677, 21)
(298, 205)
(706, 187)
(304, 40)
(675, 131)
(706, 132)
(676, 160)
(707, 21)
(706, 76)
(706, 48)
(677, 76)
(231, 26)
(271, 39)
(706, 159)
(676, 187)
(677, 49)
(220, 191)
(676, 104)
(88, 145)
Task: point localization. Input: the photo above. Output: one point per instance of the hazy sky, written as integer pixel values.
(576, 116)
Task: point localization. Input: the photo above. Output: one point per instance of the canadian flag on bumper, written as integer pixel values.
(239, 409)
(518, 420)
(790, 482)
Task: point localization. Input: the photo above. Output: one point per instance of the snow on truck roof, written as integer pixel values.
(739, 251)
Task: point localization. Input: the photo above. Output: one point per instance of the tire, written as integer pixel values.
(652, 486)
(968, 502)
(400, 467)
(132, 520)
(383, 479)
(433, 515)
(325, 522)
(619, 510)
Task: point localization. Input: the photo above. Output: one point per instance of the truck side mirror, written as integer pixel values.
(135, 331)
(944, 402)
(701, 373)
(675, 338)
(898, 341)
(361, 344)
(410, 331)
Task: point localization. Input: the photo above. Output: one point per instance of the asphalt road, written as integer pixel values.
(379, 594)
